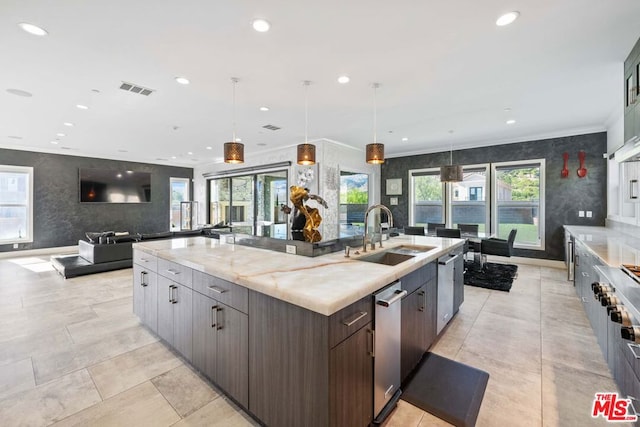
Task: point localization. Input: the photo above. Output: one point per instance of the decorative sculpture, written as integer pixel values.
(305, 219)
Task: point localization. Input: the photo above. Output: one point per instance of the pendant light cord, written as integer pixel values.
(235, 81)
(375, 113)
(306, 110)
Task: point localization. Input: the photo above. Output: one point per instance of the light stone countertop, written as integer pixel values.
(323, 284)
(612, 246)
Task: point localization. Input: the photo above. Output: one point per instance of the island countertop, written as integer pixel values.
(323, 284)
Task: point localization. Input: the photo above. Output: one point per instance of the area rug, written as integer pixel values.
(491, 275)
(448, 389)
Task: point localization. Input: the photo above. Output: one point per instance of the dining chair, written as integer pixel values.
(433, 226)
(448, 232)
(414, 231)
(469, 229)
(500, 247)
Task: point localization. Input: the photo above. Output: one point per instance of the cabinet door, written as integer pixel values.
(182, 323)
(413, 340)
(204, 335)
(458, 283)
(151, 300)
(351, 381)
(139, 283)
(232, 362)
(431, 315)
(165, 309)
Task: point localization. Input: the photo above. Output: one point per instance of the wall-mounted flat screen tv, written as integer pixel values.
(114, 186)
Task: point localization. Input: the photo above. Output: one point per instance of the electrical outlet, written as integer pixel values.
(230, 240)
(16, 245)
(589, 214)
(393, 201)
(291, 249)
(581, 214)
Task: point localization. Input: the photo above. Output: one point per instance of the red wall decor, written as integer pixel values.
(582, 171)
(565, 171)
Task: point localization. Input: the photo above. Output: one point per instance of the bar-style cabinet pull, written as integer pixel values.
(143, 275)
(423, 294)
(633, 189)
(214, 316)
(356, 317)
(632, 347)
(216, 289)
(218, 321)
(372, 334)
(173, 272)
(173, 299)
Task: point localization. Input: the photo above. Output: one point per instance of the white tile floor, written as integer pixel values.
(72, 353)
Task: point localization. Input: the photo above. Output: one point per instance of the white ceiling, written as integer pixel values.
(442, 65)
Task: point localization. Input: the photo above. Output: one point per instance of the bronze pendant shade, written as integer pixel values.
(233, 152)
(375, 153)
(306, 154)
(451, 173)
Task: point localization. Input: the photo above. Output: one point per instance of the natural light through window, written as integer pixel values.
(16, 204)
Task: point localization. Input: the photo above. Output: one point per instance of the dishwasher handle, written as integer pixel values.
(398, 295)
(453, 258)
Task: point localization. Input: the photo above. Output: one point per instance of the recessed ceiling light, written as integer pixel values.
(95, 90)
(69, 124)
(261, 144)
(190, 153)
(264, 108)
(119, 175)
(15, 137)
(20, 92)
(507, 110)
(33, 29)
(238, 139)
(61, 134)
(343, 79)
(82, 107)
(173, 157)
(183, 80)
(510, 121)
(405, 139)
(123, 151)
(507, 18)
(129, 172)
(261, 25)
(55, 142)
(209, 148)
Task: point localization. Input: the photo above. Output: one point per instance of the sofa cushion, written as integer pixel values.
(124, 239)
(97, 253)
(186, 233)
(161, 235)
(94, 236)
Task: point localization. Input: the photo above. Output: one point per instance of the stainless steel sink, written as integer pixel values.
(412, 249)
(387, 257)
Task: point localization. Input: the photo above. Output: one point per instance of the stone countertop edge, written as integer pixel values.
(611, 246)
(323, 284)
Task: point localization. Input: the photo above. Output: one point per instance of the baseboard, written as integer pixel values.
(529, 261)
(60, 250)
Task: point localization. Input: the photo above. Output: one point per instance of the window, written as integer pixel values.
(16, 204)
(250, 203)
(518, 201)
(468, 205)
(426, 194)
(179, 193)
(354, 200)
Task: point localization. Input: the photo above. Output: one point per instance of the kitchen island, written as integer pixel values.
(290, 338)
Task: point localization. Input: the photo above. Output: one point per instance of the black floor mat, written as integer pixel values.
(447, 389)
(491, 275)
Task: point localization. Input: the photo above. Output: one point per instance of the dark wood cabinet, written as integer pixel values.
(220, 346)
(351, 380)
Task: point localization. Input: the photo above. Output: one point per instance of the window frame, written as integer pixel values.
(188, 199)
(541, 208)
(28, 238)
(487, 203)
(445, 192)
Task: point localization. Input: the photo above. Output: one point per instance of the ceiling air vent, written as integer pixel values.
(271, 127)
(130, 87)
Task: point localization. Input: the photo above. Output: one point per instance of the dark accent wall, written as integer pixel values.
(60, 219)
(564, 197)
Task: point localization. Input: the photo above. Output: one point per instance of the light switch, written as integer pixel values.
(581, 214)
(393, 201)
(589, 214)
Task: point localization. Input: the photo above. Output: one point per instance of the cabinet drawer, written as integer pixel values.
(419, 277)
(631, 352)
(145, 260)
(349, 320)
(174, 271)
(221, 290)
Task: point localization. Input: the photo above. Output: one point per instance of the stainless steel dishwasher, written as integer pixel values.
(386, 360)
(445, 290)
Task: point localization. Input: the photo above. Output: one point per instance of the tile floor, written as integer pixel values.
(73, 354)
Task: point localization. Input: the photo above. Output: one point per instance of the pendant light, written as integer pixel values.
(451, 172)
(234, 151)
(375, 151)
(306, 151)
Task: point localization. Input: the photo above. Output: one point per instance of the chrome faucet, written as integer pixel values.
(366, 220)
